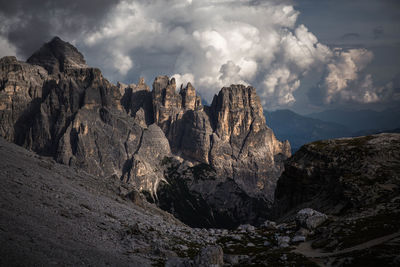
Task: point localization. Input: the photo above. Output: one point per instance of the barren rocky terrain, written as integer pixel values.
(97, 174)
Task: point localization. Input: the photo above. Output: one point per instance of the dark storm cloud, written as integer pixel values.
(271, 44)
(351, 36)
(378, 32)
(27, 24)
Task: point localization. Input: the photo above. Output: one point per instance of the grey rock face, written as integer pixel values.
(21, 87)
(72, 113)
(230, 135)
(58, 56)
(58, 106)
(244, 148)
(232, 139)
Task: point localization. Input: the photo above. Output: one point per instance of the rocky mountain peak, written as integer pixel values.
(142, 85)
(223, 151)
(58, 56)
(190, 100)
(237, 110)
(8, 60)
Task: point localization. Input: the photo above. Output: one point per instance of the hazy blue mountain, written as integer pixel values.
(361, 120)
(299, 130)
(370, 132)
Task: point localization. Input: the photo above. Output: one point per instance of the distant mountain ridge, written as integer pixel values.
(300, 130)
(360, 120)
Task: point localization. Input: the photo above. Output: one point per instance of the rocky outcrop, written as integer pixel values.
(355, 181)
(341, 175)
(231, 138)
(21, 88)
(58, 56)
(231, 135)
(243, 147)
(58, 106)
(310, 219)
(197, 196)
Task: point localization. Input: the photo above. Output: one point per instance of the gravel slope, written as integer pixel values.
(51, 214)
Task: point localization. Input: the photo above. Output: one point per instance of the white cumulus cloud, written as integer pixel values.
(345, 81)
(215, 43)
(6, 49)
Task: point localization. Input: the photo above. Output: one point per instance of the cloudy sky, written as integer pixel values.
(306, 55)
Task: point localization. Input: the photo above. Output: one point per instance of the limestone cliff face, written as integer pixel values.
(21, 87)
(58, 106)
(231, 135)
(231, 140)
(243, 147)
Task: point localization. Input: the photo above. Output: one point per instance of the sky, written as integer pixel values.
(305, 55)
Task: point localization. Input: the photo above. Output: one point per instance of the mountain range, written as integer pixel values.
(56, 105)
(125, 175)
(362, 120)
(303, 129)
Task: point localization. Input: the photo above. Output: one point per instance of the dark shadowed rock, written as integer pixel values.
(230, 135)
(210, 256)
(341, 175)
(58, 56)
(21, 89)
(243, 147)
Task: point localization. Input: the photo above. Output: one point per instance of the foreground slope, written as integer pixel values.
(52, 214)
(55, 214)
(355, 181)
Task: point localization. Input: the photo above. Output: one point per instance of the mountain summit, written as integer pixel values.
(58, 56)
(151, 139)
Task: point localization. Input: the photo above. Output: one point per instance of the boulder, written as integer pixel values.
(210, 256)
(269, 225)
(298, 238)
(283, 241)
(310, 218)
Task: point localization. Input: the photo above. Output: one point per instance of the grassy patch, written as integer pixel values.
(192, 251)
(369, 228)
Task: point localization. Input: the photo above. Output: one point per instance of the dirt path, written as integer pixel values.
(306, 249)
